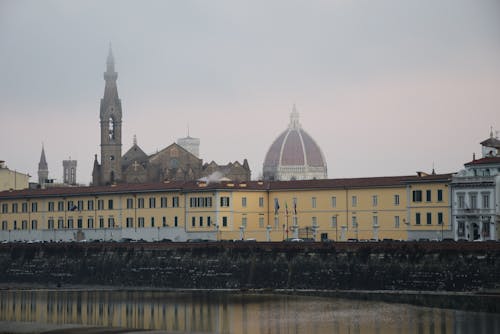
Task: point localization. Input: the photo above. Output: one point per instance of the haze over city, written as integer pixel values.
(384, 87)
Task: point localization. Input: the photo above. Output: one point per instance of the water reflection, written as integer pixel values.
(234, 313)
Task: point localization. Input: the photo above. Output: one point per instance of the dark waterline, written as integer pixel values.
(219, 312)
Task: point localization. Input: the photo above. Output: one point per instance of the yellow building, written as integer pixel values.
(400, 207)
(11, 179)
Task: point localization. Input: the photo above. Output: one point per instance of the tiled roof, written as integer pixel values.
(484, 161)
(180, 186)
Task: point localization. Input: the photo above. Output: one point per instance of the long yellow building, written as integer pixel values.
(399, 207)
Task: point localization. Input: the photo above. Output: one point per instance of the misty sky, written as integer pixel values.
(385, 87)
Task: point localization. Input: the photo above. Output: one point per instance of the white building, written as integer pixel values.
(476, 196)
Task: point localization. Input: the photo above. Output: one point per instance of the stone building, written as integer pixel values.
(294, 155)
(174, 162)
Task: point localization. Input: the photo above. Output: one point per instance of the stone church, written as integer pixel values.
(174, 162)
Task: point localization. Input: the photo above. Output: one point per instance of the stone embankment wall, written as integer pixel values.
(432, 266)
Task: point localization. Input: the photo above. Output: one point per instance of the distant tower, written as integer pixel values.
(109, 171)
(69, 171)
(192, 145)
(43, 170)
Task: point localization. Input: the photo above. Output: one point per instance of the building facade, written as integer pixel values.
(334, 209)
(476, 196)
(11, 179)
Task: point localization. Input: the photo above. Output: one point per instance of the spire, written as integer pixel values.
(135, 140)
(491, 132)
(42, 165)
(294, 118)
(110, 62)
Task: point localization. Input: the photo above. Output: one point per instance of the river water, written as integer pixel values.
(218, 312)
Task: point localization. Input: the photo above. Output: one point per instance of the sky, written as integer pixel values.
(385, 87)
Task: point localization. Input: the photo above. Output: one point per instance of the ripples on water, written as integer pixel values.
(215, 312)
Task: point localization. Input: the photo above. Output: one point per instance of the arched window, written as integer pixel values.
(111, 129)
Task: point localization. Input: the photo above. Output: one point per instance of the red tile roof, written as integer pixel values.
(180, 186)
(484, 161)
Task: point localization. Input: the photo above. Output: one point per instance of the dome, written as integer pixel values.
(294, 155)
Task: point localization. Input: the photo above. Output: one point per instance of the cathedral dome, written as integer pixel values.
(294, 155)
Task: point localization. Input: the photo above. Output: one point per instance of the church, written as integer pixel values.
(176, 162)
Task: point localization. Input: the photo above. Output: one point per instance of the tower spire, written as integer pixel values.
(43, 169)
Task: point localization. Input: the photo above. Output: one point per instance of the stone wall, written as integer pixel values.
(430, 266)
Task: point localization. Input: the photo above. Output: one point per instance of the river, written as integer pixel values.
(224, 312)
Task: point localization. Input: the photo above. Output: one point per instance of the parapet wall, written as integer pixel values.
(429, 266)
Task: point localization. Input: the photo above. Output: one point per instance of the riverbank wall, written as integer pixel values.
(427, 266)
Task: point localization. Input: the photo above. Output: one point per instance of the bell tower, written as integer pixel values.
(111, 126)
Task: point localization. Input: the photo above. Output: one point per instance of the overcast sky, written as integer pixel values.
(385, 87)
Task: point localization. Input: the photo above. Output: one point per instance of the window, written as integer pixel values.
(261, 202)
(440, 195)
(152, 221)
(314, 221)
(428, 196)
(70, 222)
(224, 201)
(486, 201)
(60, 223)
(396, 199)
(440, 218)
(60, 206)
(176, 221)
(396, 221)
(14, 207)
(354, 201)
(34, 224)
(4, 225)
(461, 229)
(111, 222)
(354, 222)
(140, 203)
(473, 200)
(375, 221)
(261, 221)
(313, 202)
(129, 221)
(80, 205)
(164, 221)
(5, 208)
(334, 221)
(140, 221)
(244, 221)
(429, 218)
(100, 204)
(24, 225)
(417, 195)
(79, 223)
(110, 204)
(51, 206)
(200, 202)
(50, 224)
(152, 202)
(244, 202)
(374, 200)
(24, 207)
(90, 205)
(224, 221)
(15, 224)
(130, 203)
(101, 222)
(334, 202)
(71, 206)
(34, 207)
(209, 221)
(417, 218)
(90, 222)
(193, 221)
(175, 201)
(461, 201)
(163, 202)
(201, 221)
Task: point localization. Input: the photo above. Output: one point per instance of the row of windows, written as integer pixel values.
(200, 202)
(89, 223)
(417, 195)
(80, 205)
(428, 221)
(472, 202)
(201, 221)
